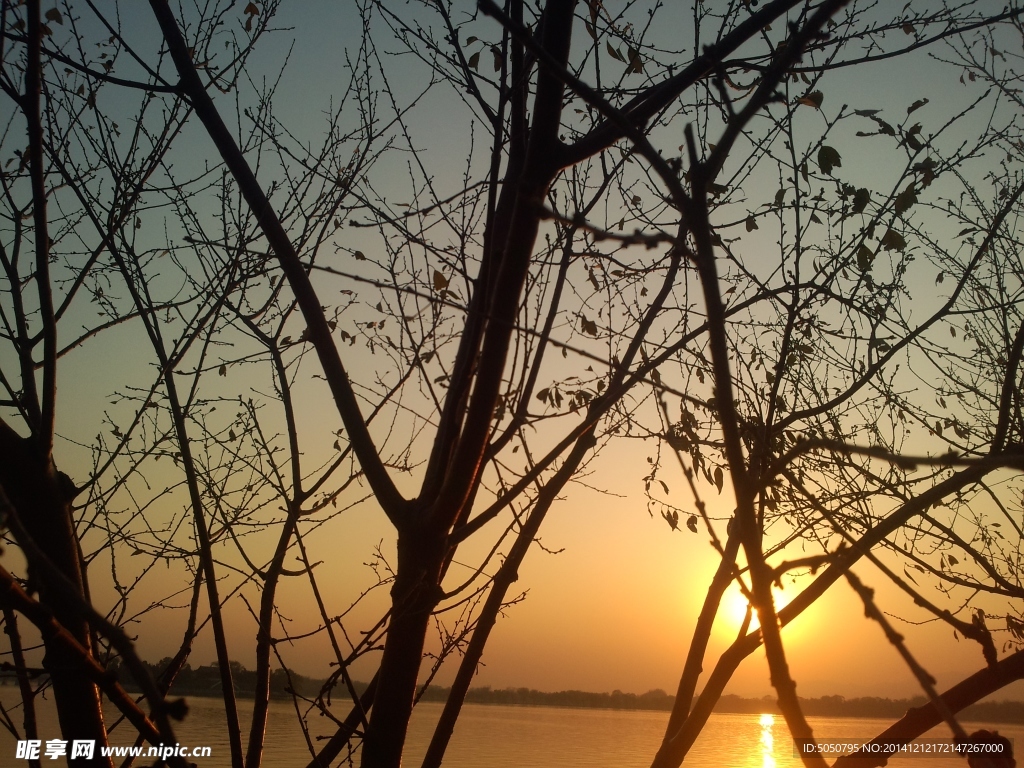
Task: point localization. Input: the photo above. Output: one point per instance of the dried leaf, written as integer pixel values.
(893, 240)
(916, 105)
(636, 64)
(812, 99)
(906, 199)
(861, 198)
(612, 52)
(864, 258)
(829, 158)
(912, 141)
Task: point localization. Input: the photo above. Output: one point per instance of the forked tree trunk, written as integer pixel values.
(422, 533)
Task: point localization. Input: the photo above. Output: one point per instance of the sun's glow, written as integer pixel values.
(767, 721)
(734, 607)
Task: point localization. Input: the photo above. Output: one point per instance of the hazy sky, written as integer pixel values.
(614, 607)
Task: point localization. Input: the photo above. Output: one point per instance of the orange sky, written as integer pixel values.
(613, 610)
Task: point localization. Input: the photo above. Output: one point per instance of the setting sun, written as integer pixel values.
(735, 605)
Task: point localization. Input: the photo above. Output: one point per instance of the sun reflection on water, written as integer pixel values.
(767, 742)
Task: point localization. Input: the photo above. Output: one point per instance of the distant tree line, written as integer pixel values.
(874, 706)
(657, 699)
(205, 681)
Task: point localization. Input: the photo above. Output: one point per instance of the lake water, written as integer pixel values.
(531, 737)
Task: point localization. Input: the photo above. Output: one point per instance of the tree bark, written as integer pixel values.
(415, 594)
(41, 498)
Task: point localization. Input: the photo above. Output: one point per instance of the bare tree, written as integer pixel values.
(94, 269)
(595, 271)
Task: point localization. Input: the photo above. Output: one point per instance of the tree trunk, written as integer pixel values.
(41, 498)
(415, 594)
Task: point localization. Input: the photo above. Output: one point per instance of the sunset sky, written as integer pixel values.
(614, 608)
(614, 593)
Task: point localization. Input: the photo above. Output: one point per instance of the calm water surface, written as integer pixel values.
(530, 737)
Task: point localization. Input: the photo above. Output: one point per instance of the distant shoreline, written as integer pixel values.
(205, 681)
(658, 700)
(993, 712)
